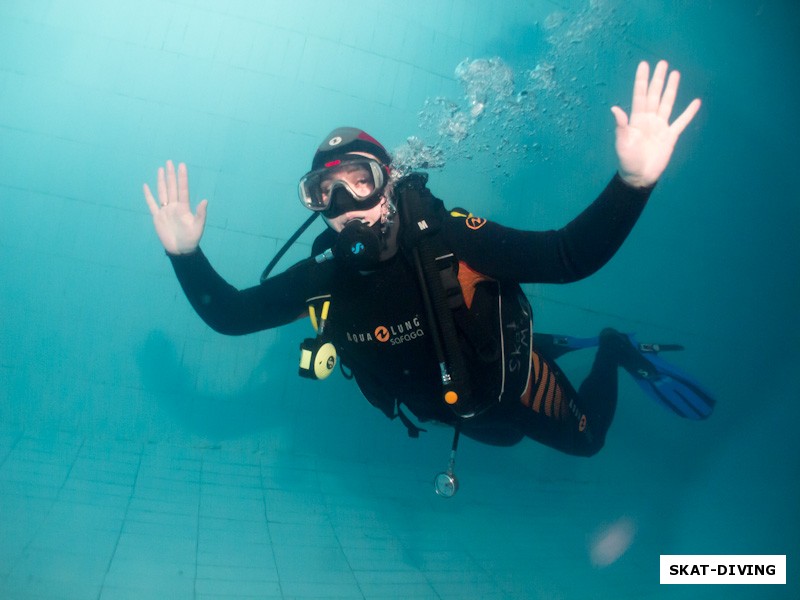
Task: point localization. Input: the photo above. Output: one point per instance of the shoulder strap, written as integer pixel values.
(441, 293)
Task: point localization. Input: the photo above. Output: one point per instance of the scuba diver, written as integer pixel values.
(422, 305)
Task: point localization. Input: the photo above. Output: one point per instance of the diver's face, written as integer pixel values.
(361, 181)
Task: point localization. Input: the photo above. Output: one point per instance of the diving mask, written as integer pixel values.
(362, 178)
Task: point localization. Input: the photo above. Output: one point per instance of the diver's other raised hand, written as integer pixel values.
(177, 227)
(645, 142)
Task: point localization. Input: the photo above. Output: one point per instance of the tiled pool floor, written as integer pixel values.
(86, 519)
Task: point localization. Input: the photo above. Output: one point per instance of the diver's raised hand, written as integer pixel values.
(177, 227)
(645, 141)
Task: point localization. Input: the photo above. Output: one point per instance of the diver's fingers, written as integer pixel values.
(201, 213)
(151, 202)
(172, 183)
(162, 187)
(668, 99)
(183, 184)
(620, 116)
(656, 87)
(639, 101)
(686, 117)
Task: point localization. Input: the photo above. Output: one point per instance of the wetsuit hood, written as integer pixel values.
(347, 140)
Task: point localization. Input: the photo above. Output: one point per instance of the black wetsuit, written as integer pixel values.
(377, 320)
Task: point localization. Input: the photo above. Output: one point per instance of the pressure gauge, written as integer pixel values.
(446, 484)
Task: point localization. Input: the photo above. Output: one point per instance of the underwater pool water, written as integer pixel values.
(142, 455)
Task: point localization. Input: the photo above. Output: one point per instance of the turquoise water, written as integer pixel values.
(144, 456)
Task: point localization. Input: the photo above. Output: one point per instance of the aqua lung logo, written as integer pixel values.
(470, 220)
(357, 248)
(475, 223)
(335, 141)
(395, 335)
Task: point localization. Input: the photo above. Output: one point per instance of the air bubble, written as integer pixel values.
(505, 115)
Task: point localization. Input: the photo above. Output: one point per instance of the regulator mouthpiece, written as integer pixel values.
(359, 245)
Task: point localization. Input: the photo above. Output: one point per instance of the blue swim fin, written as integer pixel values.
(668, 384)
(662, 381)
